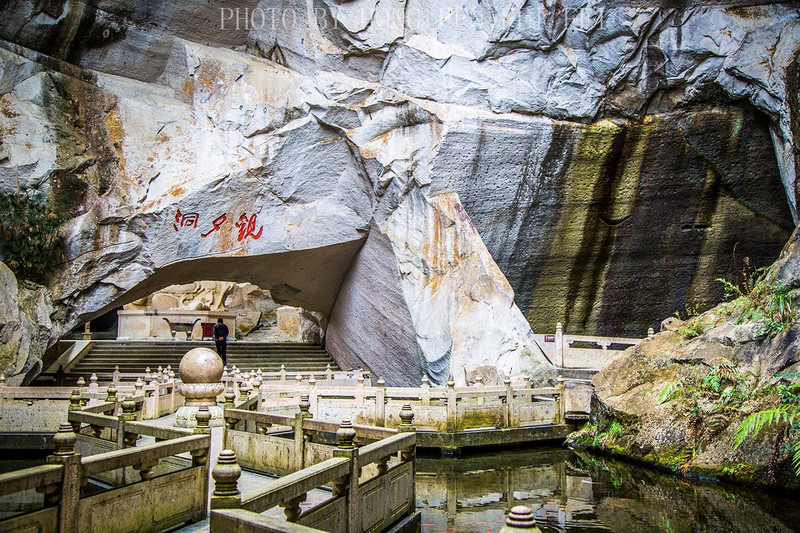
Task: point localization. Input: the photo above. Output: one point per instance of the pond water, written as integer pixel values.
(582, 493)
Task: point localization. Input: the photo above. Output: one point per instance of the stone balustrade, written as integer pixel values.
(448, 418)
(163, 489)
(358, 501)
(589, 352)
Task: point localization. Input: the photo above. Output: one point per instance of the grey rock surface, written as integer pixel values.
(26, 330)
(585, 141)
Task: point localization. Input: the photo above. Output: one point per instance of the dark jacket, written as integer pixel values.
(220, 330)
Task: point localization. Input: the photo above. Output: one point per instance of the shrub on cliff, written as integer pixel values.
(30, 242)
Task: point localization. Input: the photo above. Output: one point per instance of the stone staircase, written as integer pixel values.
(133, 357)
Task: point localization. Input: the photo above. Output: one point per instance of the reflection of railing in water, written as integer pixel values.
(588, 352)
(461, 492)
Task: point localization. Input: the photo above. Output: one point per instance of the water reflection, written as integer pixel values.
(582, 493)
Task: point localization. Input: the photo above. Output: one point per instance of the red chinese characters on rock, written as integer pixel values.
(246, 224)
(247, 228)
(185, 220)
(216, 225)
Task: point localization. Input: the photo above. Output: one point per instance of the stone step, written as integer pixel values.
(135, 357)
(153, 357)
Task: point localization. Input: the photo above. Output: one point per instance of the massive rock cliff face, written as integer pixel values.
(390, 163)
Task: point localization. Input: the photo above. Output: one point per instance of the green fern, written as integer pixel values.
(796, 458)
(670, 391)
(769, 417)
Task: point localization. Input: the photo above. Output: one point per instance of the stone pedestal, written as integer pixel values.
(200, 372)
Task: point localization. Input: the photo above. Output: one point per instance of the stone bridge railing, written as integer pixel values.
(151, 489)
(40, 409)
(588, 352)
(446, 417)
(280, 444)
(372, 486)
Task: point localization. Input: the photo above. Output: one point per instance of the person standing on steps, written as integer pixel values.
(221, 340)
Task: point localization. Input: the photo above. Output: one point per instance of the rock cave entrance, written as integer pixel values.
(300, 286)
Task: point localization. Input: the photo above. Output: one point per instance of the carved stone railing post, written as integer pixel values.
(348, 486)
(75, 405)
(67, 494)
(313, 394)
(560, 405)
(328, 373)
(230, 422)
(202, 417)
(380, 403)
(509, 403)
(425, 391)
(452, 407)
(559, 345)
(481, 398)
(651, 333)
(520, 519)
(299, 443)
(93, 386)
(111, 393)
(226, 475)
(305, 405)
(129, 415)
(406, 419)
(407, 455)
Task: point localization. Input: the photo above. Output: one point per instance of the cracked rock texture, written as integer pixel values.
(427, 175)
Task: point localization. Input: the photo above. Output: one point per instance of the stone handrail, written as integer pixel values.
(258, 417)
(148, 453)
(446, 409)
(233, 416)
(30, 478)
(230, 519)
(558, 348)
(66, 510)
(376, 451)
(294, 485)
(352, 497)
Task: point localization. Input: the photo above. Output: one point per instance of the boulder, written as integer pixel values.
(26, 330)
(678, 398)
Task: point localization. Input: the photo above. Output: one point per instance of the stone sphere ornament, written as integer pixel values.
(201, 365)
(200, 372)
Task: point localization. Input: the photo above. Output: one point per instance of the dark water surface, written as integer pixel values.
(582, 493)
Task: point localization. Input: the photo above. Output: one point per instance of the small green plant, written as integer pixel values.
(694, 328)
(666, 525)
(670, 391)
(30, 243)
(772, 302)
(786, 414)
(690, 310)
